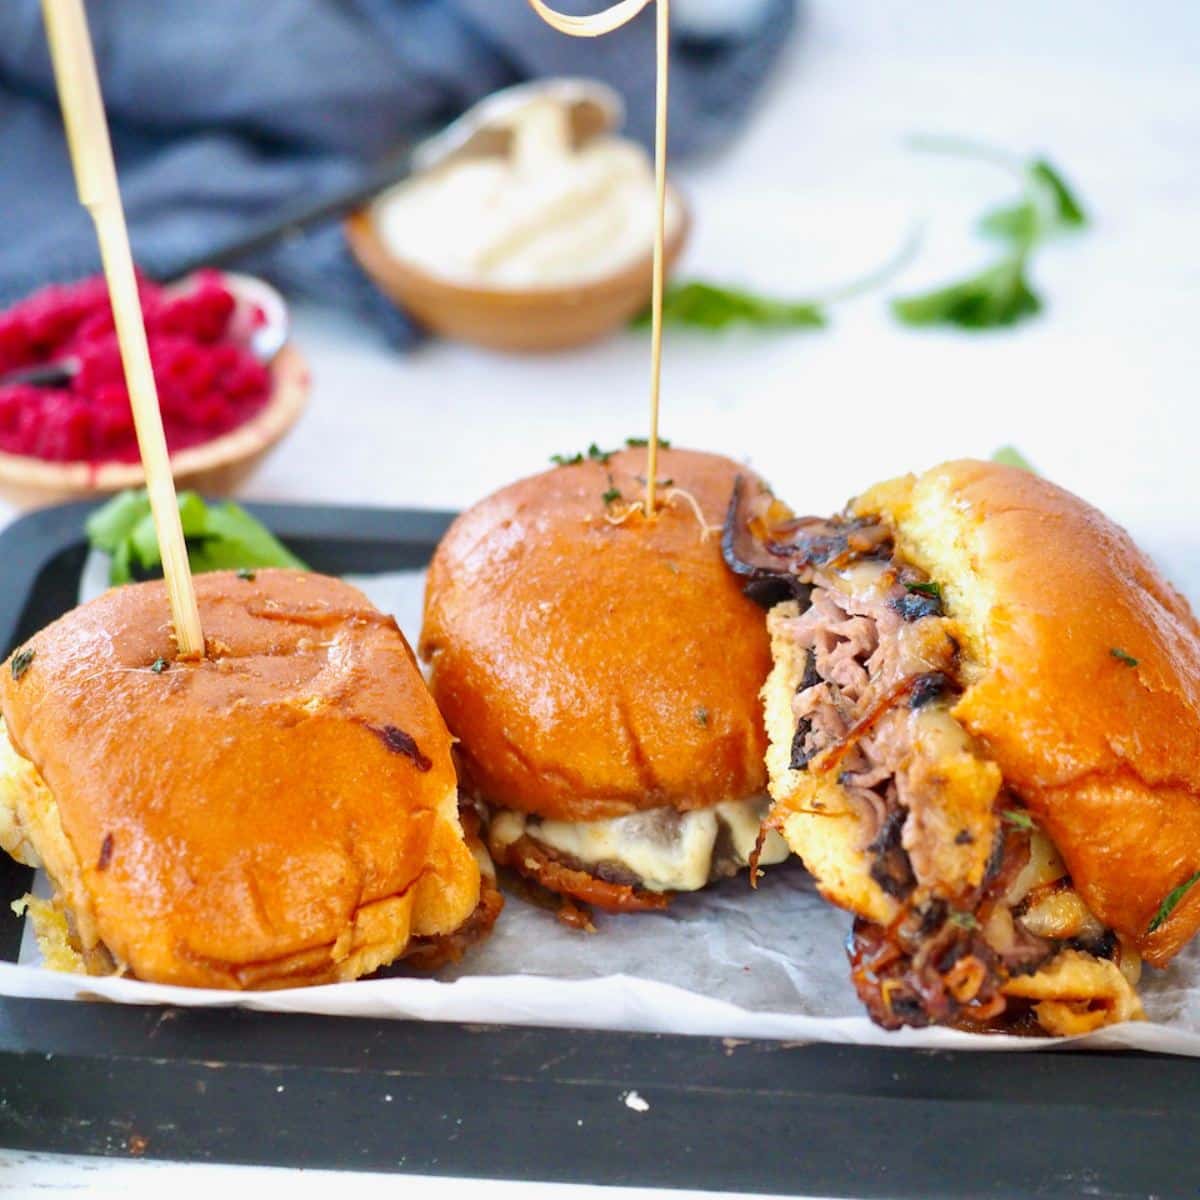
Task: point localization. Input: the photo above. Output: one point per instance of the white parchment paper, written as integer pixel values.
(725, 962)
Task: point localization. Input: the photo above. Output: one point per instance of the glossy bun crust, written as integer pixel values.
(592, 669)
(282, 813)
(1105, 753)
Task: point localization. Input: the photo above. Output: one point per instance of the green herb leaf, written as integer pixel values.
(1123, 657)
(1017, 223)
(1018, 817)
(964, 920)
(997, 296)
(931, 589)
(159, 665)
(611, 496)
(109, 527)
(1168, 906)
(246, 573)
(1028, 220)
(702, 716)
(1000, 295)
(219, 537)
(21, 661)
(635, 442)
(1010, 456)
(700, 305)
(566, 460)
(1068, 210)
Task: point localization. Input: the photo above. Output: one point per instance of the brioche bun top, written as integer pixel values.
(1083, 672)
(591, 669)
(283, 811)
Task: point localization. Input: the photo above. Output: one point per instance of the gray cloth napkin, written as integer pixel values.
(226, 112)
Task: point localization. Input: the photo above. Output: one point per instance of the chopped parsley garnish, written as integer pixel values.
(1168, 906)
(159, 665)
(1000, 294)
(931, 589)
(635, 442)
(592, 454)
(964, 920)
(1019, 818)
(702, 716)
(1123, 656)
(612, 495)
(1010, 456)
(21, 661)
(245, 573)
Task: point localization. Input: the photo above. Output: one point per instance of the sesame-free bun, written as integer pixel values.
(283, 812)
(1105, 752)
(591, 669)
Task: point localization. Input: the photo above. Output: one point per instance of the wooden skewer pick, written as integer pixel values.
(96, 181)
(594, 26)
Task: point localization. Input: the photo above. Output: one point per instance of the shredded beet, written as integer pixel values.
(208, 384)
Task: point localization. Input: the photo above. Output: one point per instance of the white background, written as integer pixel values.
(1100, 393)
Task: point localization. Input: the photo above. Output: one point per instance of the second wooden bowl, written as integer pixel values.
(214, 467)
(524, 320)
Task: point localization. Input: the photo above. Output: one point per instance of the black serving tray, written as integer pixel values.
(505, 1102)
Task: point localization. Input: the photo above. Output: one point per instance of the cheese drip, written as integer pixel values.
(662, 849)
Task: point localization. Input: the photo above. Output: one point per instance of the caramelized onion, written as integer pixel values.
(777, 557)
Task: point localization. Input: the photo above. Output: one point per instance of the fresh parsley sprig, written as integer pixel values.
(712, 306)
(998, 296)
(1001, 294)
(1021, 220)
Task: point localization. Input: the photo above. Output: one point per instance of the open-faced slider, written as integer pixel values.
(984, 717)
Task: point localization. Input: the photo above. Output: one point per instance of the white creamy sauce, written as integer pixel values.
(667, 851)
(547, 214)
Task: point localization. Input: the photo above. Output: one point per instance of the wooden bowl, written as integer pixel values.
(523, 320)
(214, 467)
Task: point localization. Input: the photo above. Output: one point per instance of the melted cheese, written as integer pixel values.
(665, 850)
(53, 932)
(20, 786)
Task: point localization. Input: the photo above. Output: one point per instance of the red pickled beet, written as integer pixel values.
(207, 384)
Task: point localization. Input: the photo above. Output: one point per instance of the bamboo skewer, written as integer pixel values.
(595, 26)
(96, 181)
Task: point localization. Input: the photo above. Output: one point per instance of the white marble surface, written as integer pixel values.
(1100, 393)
